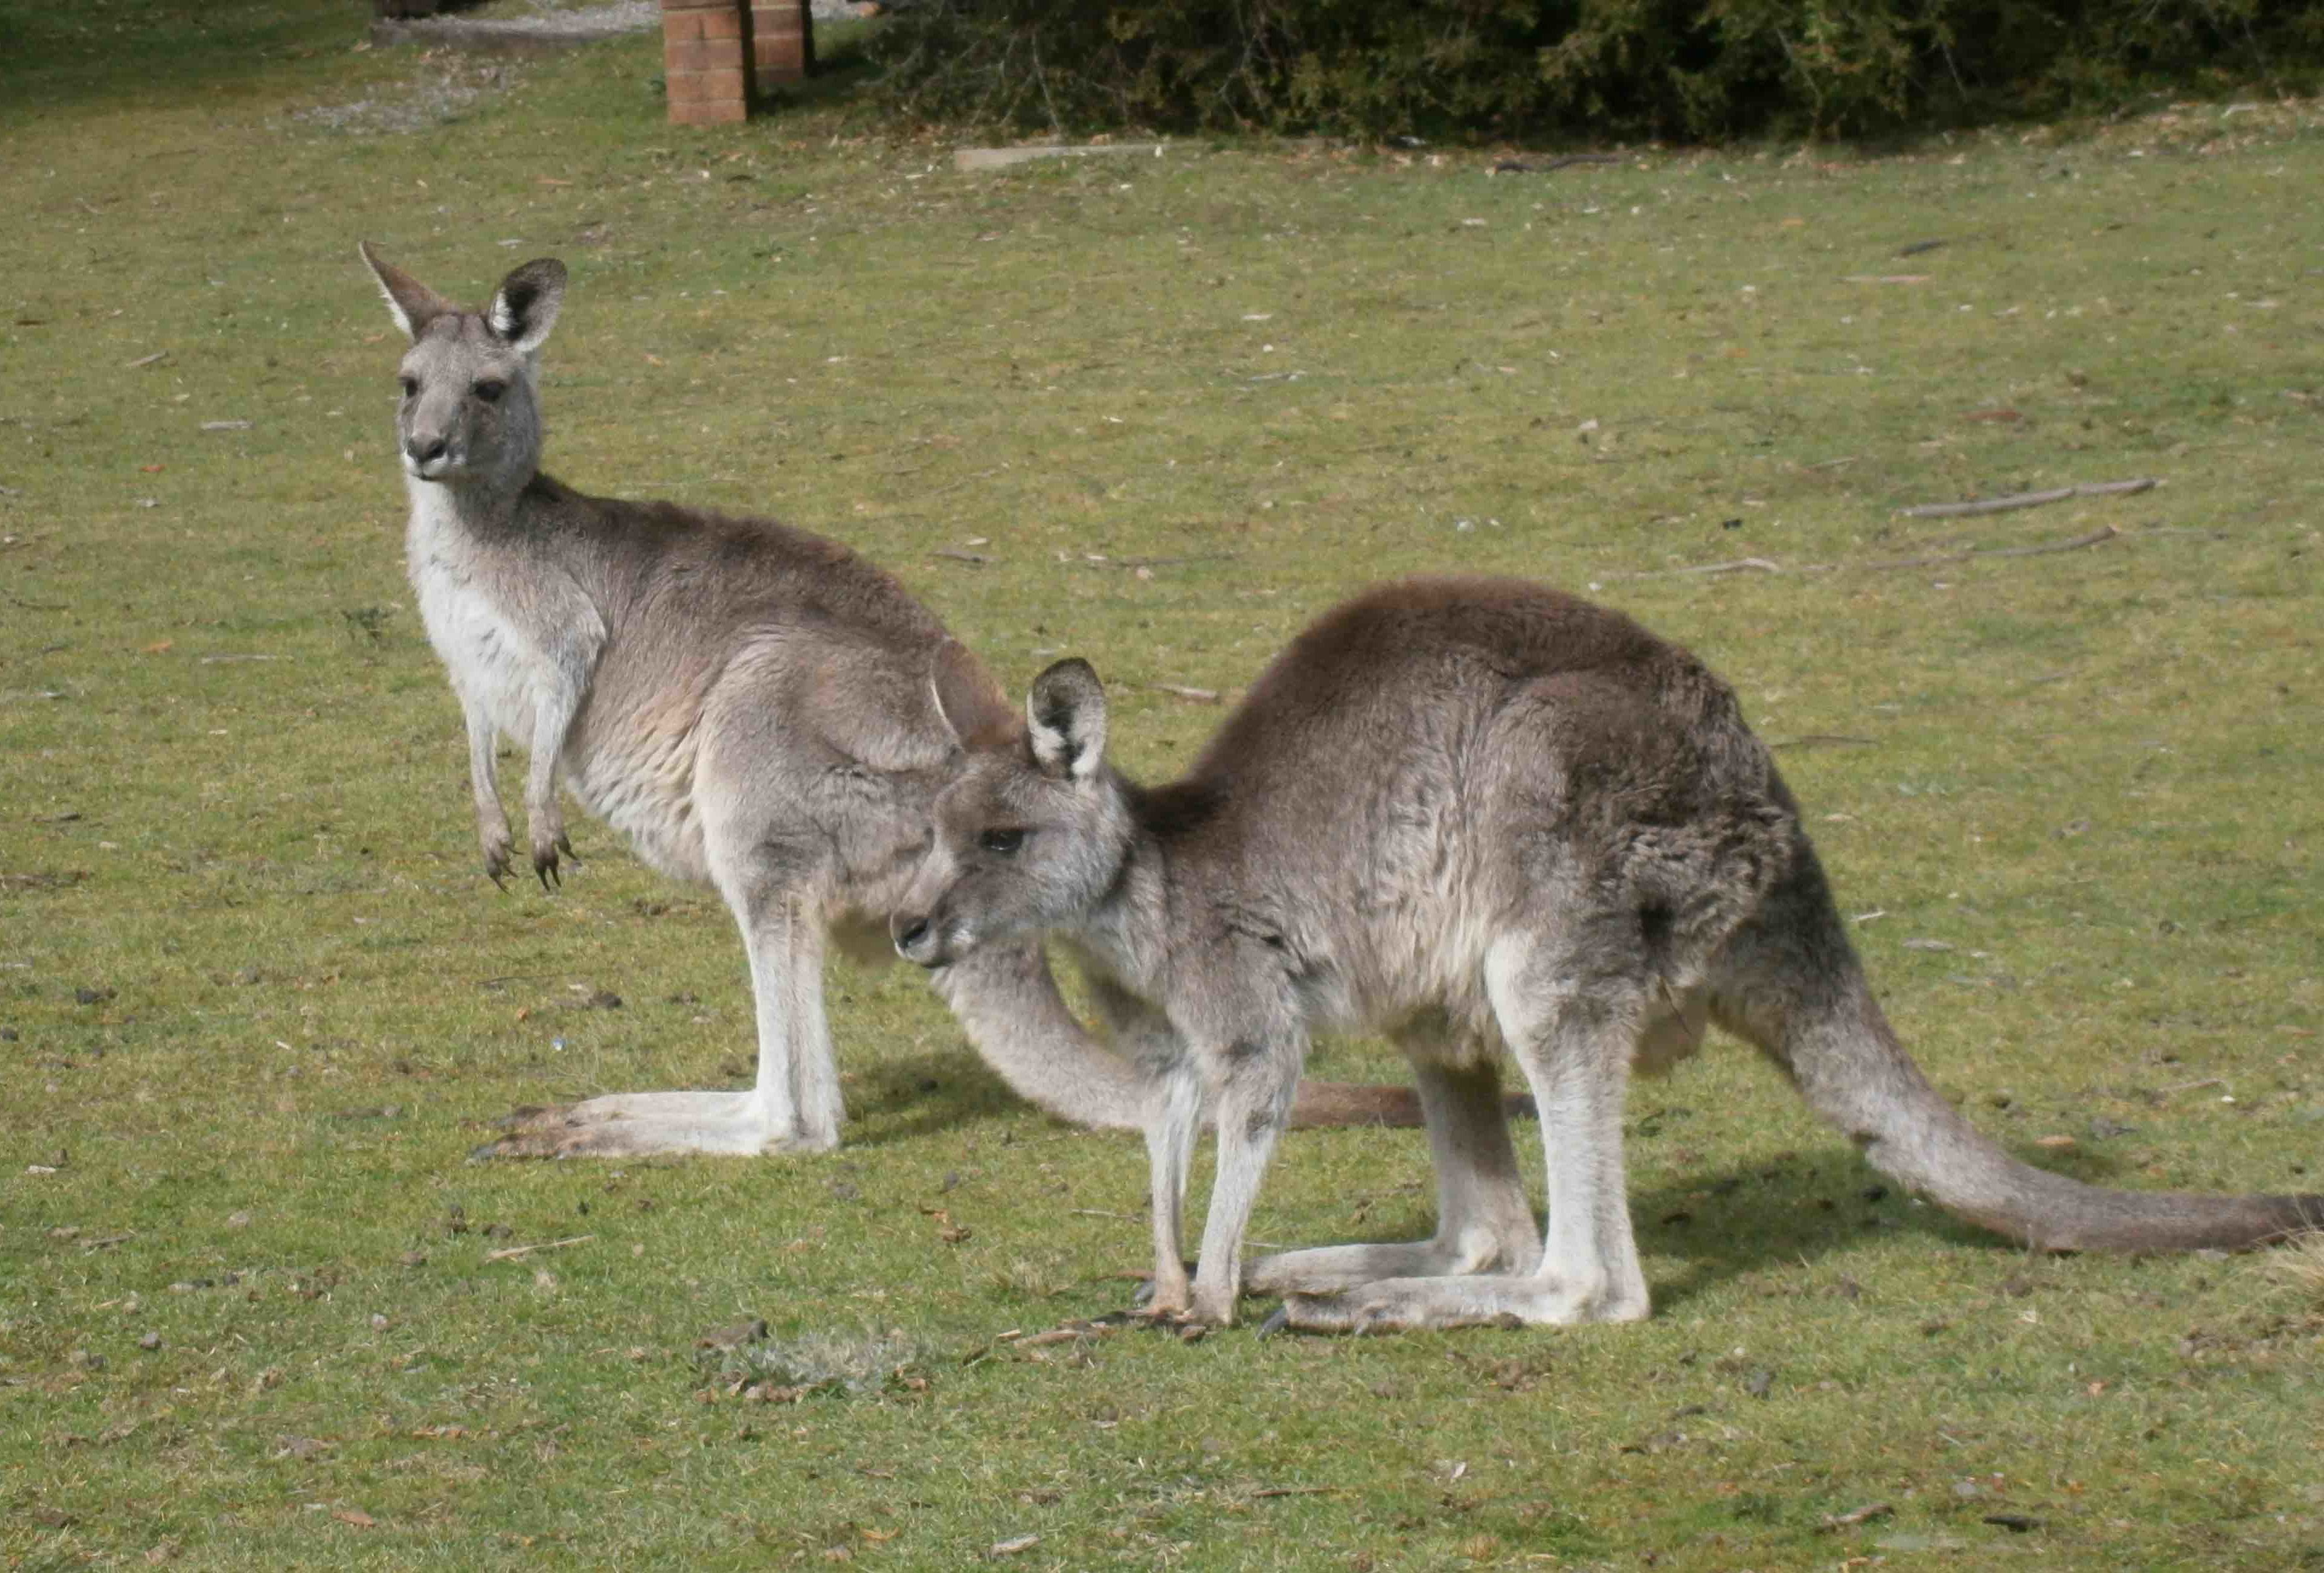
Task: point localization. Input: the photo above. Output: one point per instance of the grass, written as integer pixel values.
(258, 1004)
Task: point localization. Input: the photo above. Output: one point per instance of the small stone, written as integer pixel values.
(237, 1220)
(149, 1341)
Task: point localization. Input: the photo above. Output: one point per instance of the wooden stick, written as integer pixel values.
(2029, 499)
(506, 1252)
(1764, 565)
(1138, 562)
(2103, 533)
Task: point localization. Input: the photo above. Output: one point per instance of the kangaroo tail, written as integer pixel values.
(1009, 1003)
(1789, 981)
(1323, 1105)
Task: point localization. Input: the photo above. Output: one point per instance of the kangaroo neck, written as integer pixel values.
(482, 507)
(1126, 931)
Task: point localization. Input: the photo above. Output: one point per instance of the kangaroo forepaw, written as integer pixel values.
(546, 844)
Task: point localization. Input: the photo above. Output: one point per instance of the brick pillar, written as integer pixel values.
(705, 60)
(782, 41)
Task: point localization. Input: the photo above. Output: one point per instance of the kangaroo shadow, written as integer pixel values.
(904, 1098)
(1795, 1208)
(1717, 1224)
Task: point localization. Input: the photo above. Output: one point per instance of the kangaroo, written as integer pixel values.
(1484, 818)
(753, 708)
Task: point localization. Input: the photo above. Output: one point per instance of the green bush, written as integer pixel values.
(1533, 69)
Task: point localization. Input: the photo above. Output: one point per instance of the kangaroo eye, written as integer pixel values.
(411, 387)
(491, 391)
(1003, 842)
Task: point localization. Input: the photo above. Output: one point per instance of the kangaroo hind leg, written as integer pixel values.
(1483, 1221)
(795, 1106)
(1572, 1028)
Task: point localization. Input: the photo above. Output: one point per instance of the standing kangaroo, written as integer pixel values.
(1480, 816)
(752, 706)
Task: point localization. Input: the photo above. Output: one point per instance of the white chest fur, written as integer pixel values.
(495, 664)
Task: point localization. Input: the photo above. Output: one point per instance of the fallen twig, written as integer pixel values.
(1299, 1491)
(1739, 565)
(1822, 740)
(1563, 161)
(2029, 499)
(976, 558)
(508, 1252)
(1199, 696)
(2095, 537)
(1766, 565)
(1091, 560)
(1840, 1521)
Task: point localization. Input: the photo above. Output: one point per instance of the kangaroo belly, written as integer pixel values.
(641, 783)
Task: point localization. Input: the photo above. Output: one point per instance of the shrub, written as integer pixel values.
(1534, 68)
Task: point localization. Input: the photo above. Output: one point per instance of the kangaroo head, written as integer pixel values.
(1029, 835)
(470, 409)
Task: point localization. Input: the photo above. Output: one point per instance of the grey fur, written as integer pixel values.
(1484, 818)
(755, 707)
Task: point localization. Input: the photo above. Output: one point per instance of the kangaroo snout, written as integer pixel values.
(916, 939)
(426, 455)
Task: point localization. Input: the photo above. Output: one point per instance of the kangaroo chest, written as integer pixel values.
(475, 620)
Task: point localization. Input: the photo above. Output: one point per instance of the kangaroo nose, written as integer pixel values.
(425, 450)
(906, 932)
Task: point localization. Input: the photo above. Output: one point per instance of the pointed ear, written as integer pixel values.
(967, 699)
(411, 303)
(524, 307)
(1066, 714)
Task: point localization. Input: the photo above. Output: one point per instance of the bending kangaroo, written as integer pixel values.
(752, 706)
(1481, 817)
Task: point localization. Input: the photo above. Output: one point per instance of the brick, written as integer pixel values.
(721, 82)
(703, 86)
(679, 27)
(774, 66)
(701, 54)
(725, 23)
(782, 41)
(724, 112)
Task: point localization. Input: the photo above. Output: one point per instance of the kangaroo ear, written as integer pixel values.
(411, 303)
(524, 307)
(1066, 714)
(968, 701)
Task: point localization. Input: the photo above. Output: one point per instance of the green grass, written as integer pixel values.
(231, 811)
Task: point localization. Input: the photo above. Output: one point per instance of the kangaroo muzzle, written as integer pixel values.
(916, 940)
